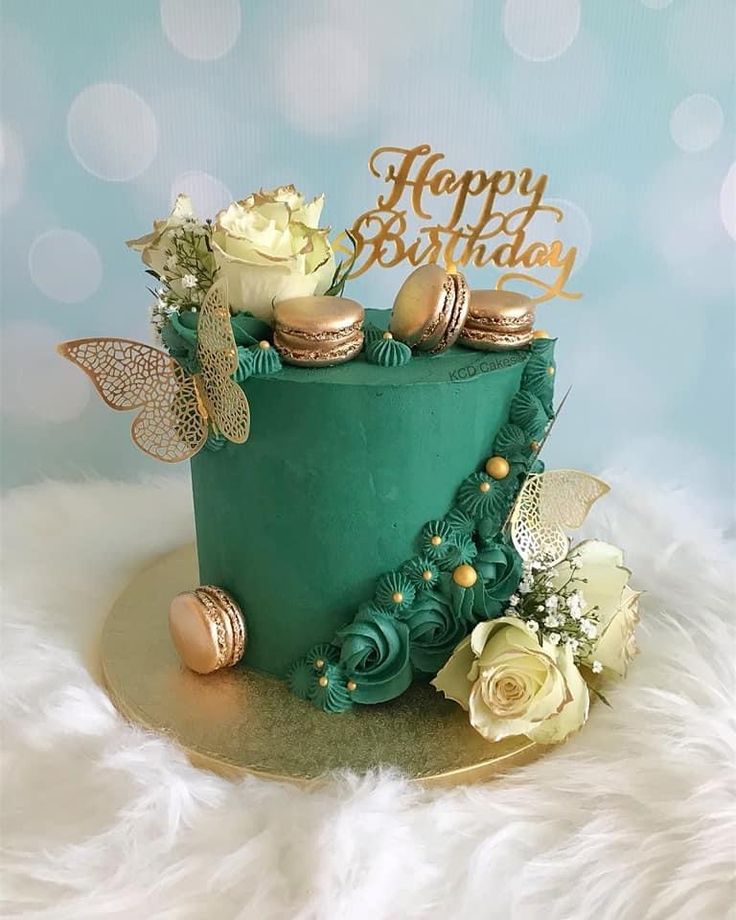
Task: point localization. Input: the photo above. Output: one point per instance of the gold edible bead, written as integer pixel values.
(465, 576)
(397, 597)
(485, 487)
(264, 344)
(319, 664)
(498, 467)
(427, 575)
(323, 681)
(534, 446)
(352, 686)
(540, 334)
(550, 370)
(436, 540)
(387, 335)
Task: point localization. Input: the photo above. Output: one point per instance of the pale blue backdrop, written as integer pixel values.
(110, 108)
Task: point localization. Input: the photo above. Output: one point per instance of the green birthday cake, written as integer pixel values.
(370, 504)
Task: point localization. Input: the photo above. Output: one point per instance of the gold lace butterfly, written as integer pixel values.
(176, 408)
(547, 504)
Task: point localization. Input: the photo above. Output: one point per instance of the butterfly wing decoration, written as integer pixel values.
(549, 503)
(172, 422)
(218, 360)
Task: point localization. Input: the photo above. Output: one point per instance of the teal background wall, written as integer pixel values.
(110, 108)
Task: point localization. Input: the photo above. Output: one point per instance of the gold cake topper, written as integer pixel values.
(491, 237)
(175, 408)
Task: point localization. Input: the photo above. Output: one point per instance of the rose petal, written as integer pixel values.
(452, 679)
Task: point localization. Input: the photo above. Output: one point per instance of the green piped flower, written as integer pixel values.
(375, 655)
(434, 631)
(303, 676)
(512, 444)
(500, 567)
(331, 692)
(460, 521)
(528, 413)
(544, 349)
(394, 591)
(539, 379)
(481, 496)
(387, 352)
(463, 552)
(372, 333)
(422, 572)
(436, 539)
(245, 364)
(265, 360)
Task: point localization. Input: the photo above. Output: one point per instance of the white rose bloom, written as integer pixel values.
(617, 605)
(513, 686)
(269, 247)
(153, 245)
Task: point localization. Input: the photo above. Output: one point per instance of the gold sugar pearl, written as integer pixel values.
(497, 467)
(387, 335)
(436, 540)
(319, 664)
(484, 487)
(264, 344)
(550, 370)
(397, 597)
(534, 446)
(465, 576)
(351, 685)
(427, 575)
(540, 334)
(323, 681)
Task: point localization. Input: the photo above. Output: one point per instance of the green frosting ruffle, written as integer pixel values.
(387, 353)
(476, 502)
(255, 361)
(528, 413)
(375, 655)
(434, 631)
(394, 591)
(415, 570)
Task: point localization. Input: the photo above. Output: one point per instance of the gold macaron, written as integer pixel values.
(498, 321)
(318, 331)
(208, 629)
(430, 309)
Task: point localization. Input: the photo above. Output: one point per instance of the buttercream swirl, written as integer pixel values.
(375, 655)
(500, 567)
(387, 353)
(528, 413)
(434, 631)
(394, 591)
(462, 552)
(265, 360)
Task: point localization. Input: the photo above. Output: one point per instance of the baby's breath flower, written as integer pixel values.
(552, 621)
(189, 281)
(554, 638)
(588, 629)
(533, 625)
(514, 600)
(596, 667)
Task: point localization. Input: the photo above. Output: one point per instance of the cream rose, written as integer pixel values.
(512, 685)
(605, 586)
(153, 245)
(269, 247)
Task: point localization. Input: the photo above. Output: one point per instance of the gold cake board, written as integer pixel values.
(238, 721)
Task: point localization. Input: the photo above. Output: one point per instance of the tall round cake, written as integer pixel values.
(343, 467)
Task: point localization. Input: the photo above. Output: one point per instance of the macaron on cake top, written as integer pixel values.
(430, 309)
(318, 331)
(498, 321)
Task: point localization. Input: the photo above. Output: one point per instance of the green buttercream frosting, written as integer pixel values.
(372, 333)
(387, 353)
(463, 551)
(394, 591)
(375, 655)
(216, 440)
(528, 413)
(539, 374)
(460, 522)
(512, 444)
(331, 693)
(416, 570)
(480, 496)
(436, 539)
(500, 567)
(434, 631)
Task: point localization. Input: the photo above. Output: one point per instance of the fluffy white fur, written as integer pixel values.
(631, 819)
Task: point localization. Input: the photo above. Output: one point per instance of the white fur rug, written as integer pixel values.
(634, 818)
